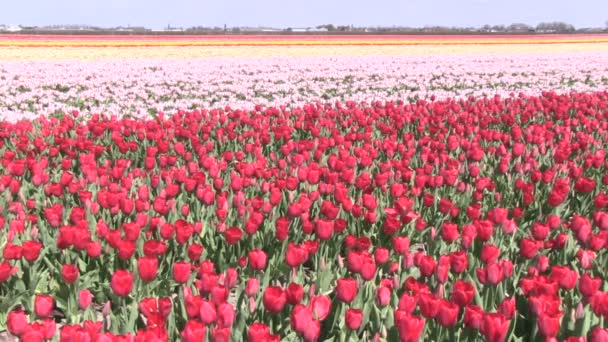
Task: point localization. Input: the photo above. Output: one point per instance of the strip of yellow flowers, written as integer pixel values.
(296, 42)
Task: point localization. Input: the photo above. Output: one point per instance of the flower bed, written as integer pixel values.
(468, 219)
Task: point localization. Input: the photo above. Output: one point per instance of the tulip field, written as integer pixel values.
(172, 190)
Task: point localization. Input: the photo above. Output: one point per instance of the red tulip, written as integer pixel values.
(383, 296)
(274, 299)
(540, 231)
(207, 312)
(181, 272)
(473, 317)
(252, 286)
(320, 305)
(407, 303)
(564, 276)
(16, 322)
(458, 261)
(410, 327)
(195, 251)
(559, 192)
(194, 331)
(381, 255)
(54, 215)
(85, 298)
(219, 294)
(183, 231)
(599, 335)
(507, 308)
(599, 303)
(233, 235)
(301, 318)
(484, 229)
(32, 335)
(346, 289)
(30, 250)
(584, 185)
(426, 265)
(295, 255)
(585, 258)
(498, 215)
(449, 232)
(447, 314)
(147, 268)
(494, 327)
(43, 306)
(428, 304)
(47, 327)
(401, 244)
(282, 228)
(12, 252)
(257, 259)
(509, 226)
(126, 249)
(6, 270)
(528, 248)
(311, 334)
(589, 285)
(231, 278)
(225, 315)
(192, 303)
(258, 332)
(324, 229)
(442, 269)
(463, 293)
(122, 283)
(549, 323)
(368, 269)
(353, 318)
(494, 274)
(489, 253)
(93, 249)
(69, 273)
(294, 293)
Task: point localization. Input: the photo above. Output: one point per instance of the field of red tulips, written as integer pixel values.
(438, 220)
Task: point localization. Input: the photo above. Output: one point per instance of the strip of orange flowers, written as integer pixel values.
(89, 41)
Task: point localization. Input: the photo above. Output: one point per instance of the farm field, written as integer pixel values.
(377, 188)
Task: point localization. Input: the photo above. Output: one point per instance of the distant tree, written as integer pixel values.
(555, 27)
(486, 28)
(328, 27)
(519, 27)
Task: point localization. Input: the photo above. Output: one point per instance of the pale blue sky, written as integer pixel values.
(302, 13)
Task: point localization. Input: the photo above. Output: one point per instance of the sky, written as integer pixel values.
(303, 13)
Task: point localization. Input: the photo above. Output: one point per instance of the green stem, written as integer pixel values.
(452, 334)
(125, 313)
(348, 334)
(534, 329)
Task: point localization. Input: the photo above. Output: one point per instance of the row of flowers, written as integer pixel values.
(480, 218)
(140, 87)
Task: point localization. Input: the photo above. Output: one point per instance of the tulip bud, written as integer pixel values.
(85, 298)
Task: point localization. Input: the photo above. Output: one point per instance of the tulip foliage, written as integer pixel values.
(469, 219)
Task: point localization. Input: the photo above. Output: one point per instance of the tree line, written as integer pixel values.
(556, 27)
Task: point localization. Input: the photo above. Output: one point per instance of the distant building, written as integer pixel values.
(520, 28)
(591, 30)
(258, 29)
(309, 29)
(10, 28)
